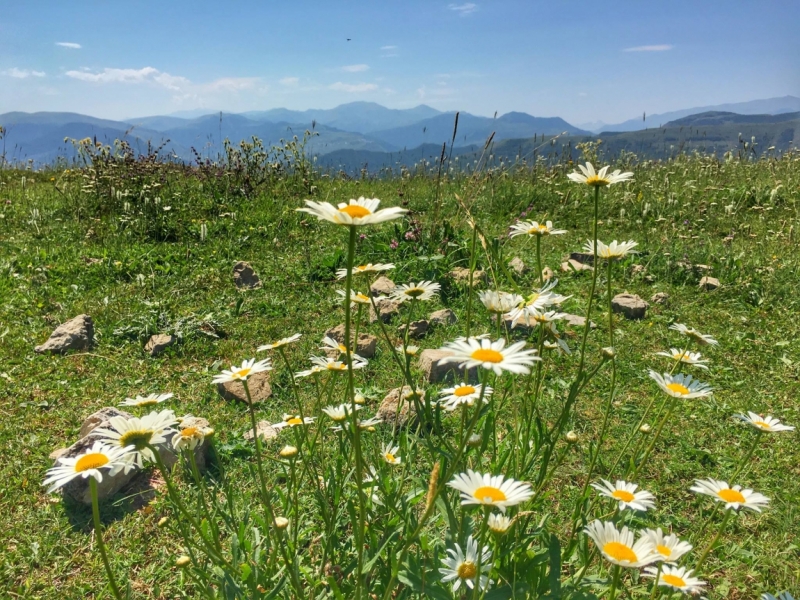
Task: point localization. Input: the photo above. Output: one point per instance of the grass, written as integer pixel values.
(70, 245)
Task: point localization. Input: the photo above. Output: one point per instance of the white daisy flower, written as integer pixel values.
(534, 318)
(618, 547)
(312, 371)
(499, 302)
(293, 421)
(389, 454)
(626, 494)
(693, 334)
(613, 251)
(89, 464)
(490, 490)
(149, 400)
(139, 432)
(339, 413)
(463, 394)
(490, 355)
(189, 438)
(283, 342)
(355, 297)
(600, 178)
(409, 351)
(681, 385)
(676, 578)
(499, 523)
(363, 424)
(734, 497)
(330, 364)
(462, 567)
(368, 268)
(424, 290)
(669, 547)
(248, 368)
(537, 302)
(363, 211)
(686, 357)
(332, 344)
(534, 228)
(768, 423)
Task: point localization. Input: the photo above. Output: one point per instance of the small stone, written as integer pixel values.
(461, 275)
(519, 267)
(582, 257)
(57, 453)
(577, 321)
(709, 283)
(574, 265)
(382, 286)
(245, 277)
(258, 384)
(630, 305)
(637, 269)
(436, 372)
(395, 409)
(75, 334)
(702, 268)
(547, 274)
(443, 317)
(101, 418)
(158, 343)
(386, 310)
(367, 344)
(660, 298)
(416, 329)
(265, 431)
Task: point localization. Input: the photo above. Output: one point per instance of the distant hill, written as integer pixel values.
(727, 118)
(768, 106)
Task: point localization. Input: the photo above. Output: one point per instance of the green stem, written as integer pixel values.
(586, 325)
(472, 262)
(746, 458)
(540, 277)
(657, 434)
(614, 583)
(707, 551)
(259, 462)
(655, 581)
(99, 536)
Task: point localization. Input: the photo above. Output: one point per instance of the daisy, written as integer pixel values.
(499, 302)
(499, 523)
(532, 228)
(332, 344)
(490, 355)
(613, 251)
(532, 318)
(368, 268)
(312, 371)
(139, 433)
(626, 494)
(490, 490)
(424, 290)
(733, 497)
(618, 547)
(669, 547)
(462, 567)
(681, 386)
(463, 394)
(676, 578)
(365, 424)
(693, 334)
(289, 340)
(355, 297)
(338, 365)
(149, 400)
(389, 454)
(686, 357)
(539, 301)
(339, 413)
(768, 423)
(89, 464)
(248, 368)
(601, 178)
(409, 351)
(189, 438)
(292, 421)
(363, 211)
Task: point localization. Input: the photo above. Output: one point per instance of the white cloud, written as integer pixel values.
(387, 48)
(463, 9)
(353, 88)
(71, 45)
(289, 81)
(654, 48)
(230, 84)
(143, 75)
(355, 68)
(21, 73)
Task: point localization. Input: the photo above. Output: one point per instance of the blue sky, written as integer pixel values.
(583, 61)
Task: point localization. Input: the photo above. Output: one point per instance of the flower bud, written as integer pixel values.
(288, 452)
(571, 437)
(608, 352)
(163, 521)
(475, 441)
(281, 522)
(645, 428)
(183, 562)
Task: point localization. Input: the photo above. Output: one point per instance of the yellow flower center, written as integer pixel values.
(620, 552)
(533, 298)
(596, 181)
(678, 388)
(730, 495)
(680, 356)
(149, 402)
(94, 460)
(137, 438)
(361, 267)
(337, 366)
(664, 551)
(464, 390)
(487, 355)
(467, 570)
(242, 373)
(190, 432)
(414, 292)
(355, 211)
(361, 298)
(342, 348)
(623, 495)
(294, 421)
(390, 457)
(489, 495)
(762, 424)
(673, 580)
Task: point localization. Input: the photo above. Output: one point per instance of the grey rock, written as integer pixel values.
(443, 317)
(245, 277)
(577, 321)
(386, 310)
(637, 269)
(582, 257)
(630, 305)
(574, 265)
(367, 344)
(382, 286)
(660, 298)
(436, 372)
(519, 267)
(57, 453)
(547, 274)
(258, 384)
(158, 343)
(416, 329)
(709, 283)
(395, 409)
(75, 334)
(101, 418)
(265, 431)
(461, 275)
